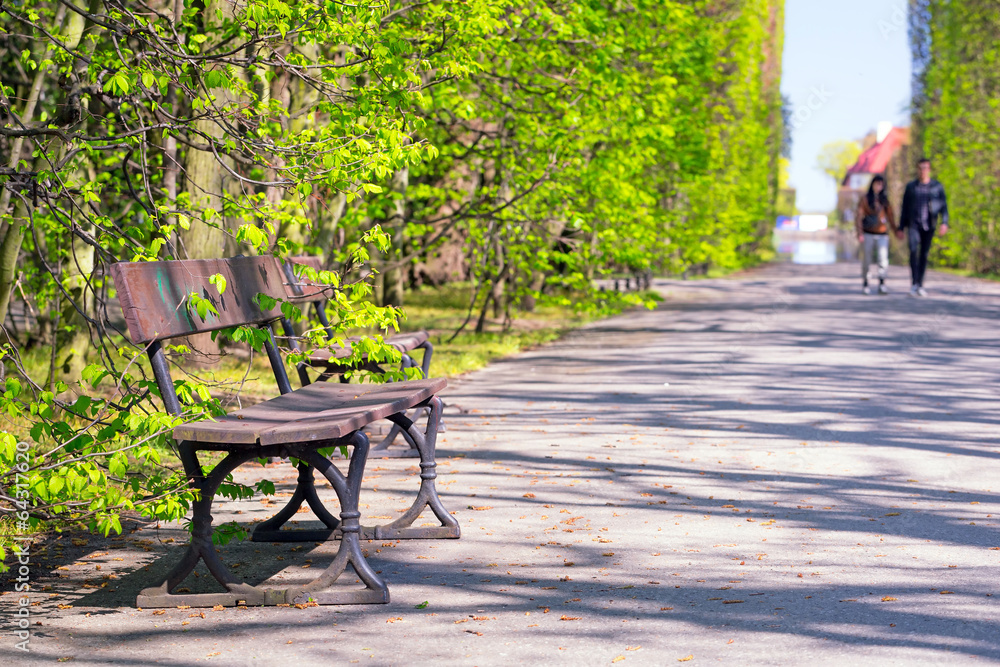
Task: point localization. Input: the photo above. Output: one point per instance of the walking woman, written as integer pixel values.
(874, 221)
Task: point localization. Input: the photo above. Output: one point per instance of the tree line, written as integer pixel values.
(957, 124)
(546, 143)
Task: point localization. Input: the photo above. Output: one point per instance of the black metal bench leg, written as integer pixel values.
(425, 367)
(381, 449)
(238, 592)
(348, 491)
(305, 490)
(402, 528)
(425, 364)
(201, 547)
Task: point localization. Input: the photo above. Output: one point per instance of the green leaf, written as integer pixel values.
(219, 281)
(264, 301)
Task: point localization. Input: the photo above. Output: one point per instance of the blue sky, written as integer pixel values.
(846, 67)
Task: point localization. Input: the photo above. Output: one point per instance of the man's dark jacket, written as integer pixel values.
(937, 205)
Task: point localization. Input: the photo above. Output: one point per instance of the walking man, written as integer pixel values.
(923, 202)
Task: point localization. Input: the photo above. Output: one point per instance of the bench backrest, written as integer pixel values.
(300, 288)
(155, 298)
(155, 295)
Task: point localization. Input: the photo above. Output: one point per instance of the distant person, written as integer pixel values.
(923, 202)
(873, 222)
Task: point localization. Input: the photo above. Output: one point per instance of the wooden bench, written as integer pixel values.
(335, 362)
(156, 303)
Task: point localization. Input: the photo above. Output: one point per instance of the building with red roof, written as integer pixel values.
(887, 152)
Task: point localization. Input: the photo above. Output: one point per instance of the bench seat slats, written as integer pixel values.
(320, 411)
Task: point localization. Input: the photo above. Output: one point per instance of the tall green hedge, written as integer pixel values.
(957, 121)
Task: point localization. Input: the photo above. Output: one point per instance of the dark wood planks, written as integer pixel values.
(320, 411)
(154, 295)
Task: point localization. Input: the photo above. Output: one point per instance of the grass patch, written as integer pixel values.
(441, 311)
(470, 352)
(966, 273)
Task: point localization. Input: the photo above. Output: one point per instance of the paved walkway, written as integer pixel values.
(769, 469)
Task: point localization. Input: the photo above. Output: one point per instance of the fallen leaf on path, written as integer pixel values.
(685, 659)
(564, 617)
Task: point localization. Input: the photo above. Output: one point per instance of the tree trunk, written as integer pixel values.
(171, 163)
(10, 246)
(393, 280)
(208, 180)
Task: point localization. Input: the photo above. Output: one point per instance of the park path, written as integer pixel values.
(768, 469)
